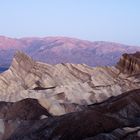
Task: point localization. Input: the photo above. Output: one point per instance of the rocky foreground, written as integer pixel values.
(70, 101)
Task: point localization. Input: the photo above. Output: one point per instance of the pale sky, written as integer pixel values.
(95, 20)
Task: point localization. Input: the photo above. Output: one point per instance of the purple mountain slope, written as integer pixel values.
(64, 50)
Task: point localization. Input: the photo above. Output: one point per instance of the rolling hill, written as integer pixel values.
(54, 50)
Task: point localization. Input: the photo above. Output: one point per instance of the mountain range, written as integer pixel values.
(54, 50)
(67, 98)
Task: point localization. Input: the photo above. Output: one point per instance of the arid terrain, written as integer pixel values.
(68, 101)
(70, 70)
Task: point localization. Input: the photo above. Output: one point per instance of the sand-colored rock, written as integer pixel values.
(130, 63)
(62, 86)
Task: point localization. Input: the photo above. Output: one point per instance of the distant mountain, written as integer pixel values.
(55, 50)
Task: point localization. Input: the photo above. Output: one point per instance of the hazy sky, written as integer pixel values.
(108, 20)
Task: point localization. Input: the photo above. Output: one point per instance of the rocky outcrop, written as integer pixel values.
(130, 63)
(107, 120)
(126, 133)
(26, 109)
(12, 114)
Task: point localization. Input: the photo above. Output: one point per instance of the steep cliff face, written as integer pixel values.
(130, 63)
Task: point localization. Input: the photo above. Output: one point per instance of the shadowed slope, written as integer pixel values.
(12, 115)
(101, 118)
(26, 109)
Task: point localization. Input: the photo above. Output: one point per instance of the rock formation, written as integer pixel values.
(108, 120)
(130, 63)
(62, 88)
(12, 113)
(70, 101)
(26, 109)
